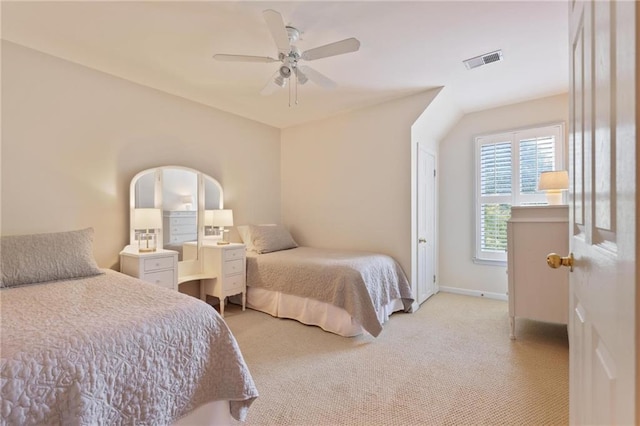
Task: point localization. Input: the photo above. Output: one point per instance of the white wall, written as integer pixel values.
(346, 180)
(456, 187)
(428, 130)
(72, 139)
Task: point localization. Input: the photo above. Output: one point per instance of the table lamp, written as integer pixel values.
(553, 183)
(147, 220)
(222, 218)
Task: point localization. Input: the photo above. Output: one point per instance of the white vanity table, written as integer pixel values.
(223, 271)
(220, 269)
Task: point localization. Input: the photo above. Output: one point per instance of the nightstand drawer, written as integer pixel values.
(158, 263)
(161, 278)
(234, 254)
(234, 284)
(233, 267)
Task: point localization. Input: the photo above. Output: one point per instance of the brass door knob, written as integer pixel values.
(554, 261)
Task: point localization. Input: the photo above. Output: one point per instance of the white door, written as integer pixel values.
(426, 223)
(602, 323)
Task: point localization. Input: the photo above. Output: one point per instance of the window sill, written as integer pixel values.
(490, 262)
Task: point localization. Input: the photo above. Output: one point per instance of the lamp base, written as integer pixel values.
(147, 242)
(554, 198)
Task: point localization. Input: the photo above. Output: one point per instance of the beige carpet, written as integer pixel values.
(450, 363)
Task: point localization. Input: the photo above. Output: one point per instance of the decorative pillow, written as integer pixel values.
(245, 235)
(37, 258)
(267, 239)
(243, 231)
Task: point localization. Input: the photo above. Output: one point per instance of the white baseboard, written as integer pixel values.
(476, 293)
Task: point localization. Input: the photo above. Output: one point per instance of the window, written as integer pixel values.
(508, 166)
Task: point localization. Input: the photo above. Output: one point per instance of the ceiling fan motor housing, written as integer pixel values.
(293, 34)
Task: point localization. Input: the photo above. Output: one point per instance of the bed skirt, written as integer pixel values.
(312, 312)
(215, 413)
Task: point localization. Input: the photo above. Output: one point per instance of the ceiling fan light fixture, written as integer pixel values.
(280, 81)
(285, 71)
(302, 79)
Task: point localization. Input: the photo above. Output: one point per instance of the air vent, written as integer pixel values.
(481, 60)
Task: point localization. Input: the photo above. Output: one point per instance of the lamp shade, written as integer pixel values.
(553, 181)
(208, 217)
(147, 218)
(223, 217)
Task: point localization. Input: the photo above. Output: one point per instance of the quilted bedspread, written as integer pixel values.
(111, 349)
(358, 282)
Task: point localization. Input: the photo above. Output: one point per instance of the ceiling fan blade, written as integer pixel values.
(278, 31)
(243, 58)
(320, 79)
(332, 49)
(272, 86)
(302, 78)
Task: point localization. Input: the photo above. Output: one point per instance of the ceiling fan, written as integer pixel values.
(290, 56)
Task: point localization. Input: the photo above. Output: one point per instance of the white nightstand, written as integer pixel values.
(228, 263)
(159, 267)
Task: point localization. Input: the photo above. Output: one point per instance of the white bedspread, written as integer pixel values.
(361, 283)
(111, 349)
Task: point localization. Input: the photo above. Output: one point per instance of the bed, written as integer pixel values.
(83, 345)
(343, 292)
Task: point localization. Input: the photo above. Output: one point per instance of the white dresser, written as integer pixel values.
(228, 262)
(159, 267)
(535, 290)
(179, 226)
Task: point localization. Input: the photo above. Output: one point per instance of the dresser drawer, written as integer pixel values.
(160, 278)
(234, 285)
(233, 254)
(181, 238)
(183, 229)
(233, 267)
(183, 221)
(158, 263)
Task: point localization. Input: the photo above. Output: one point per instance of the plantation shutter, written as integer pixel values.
(495, 180)
(508, 170)
(537, 155)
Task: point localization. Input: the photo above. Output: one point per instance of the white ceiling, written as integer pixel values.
(406, 47)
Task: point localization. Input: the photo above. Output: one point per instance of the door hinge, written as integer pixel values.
(434, 172)
(434, 279)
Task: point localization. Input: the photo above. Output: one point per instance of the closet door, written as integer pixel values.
(426, 224)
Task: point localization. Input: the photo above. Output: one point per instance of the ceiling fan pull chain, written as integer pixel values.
(296, 98)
